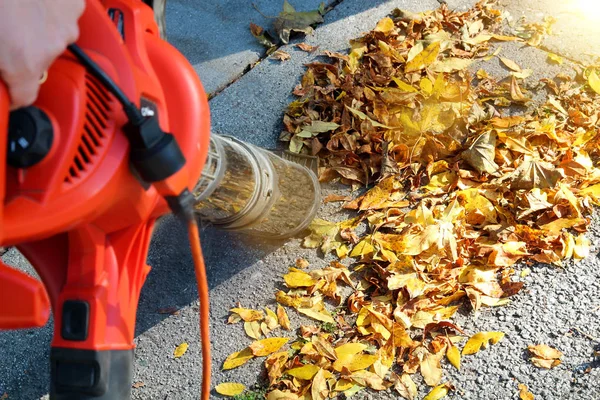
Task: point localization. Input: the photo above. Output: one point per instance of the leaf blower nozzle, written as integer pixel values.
(252, 190)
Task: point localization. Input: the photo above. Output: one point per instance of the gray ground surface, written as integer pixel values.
(559, 307)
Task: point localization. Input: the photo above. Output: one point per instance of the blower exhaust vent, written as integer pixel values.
(94, 135)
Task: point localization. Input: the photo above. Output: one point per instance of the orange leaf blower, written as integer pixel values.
(117, 138)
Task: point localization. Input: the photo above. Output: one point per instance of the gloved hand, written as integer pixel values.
(32, 34)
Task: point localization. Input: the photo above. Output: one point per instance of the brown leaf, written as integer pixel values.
(513, 66)
(534, 173)
(136, 385)
(281, 55)
(515, 92)
(524, 393)
(481, 153)
(307, 47)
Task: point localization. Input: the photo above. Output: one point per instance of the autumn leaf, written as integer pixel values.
(281, 55)
(524, 393)
(368, 379)
(230, 389)
(594, 81)
(283, 318)
(481, 153)
(513, 66)
(262, 36)
(136, 385)
(290, 20)
(267, 346)
(317, 312)
(431, 368)
(319, 389)
(307, 47)
(453, 355)
(438, 392)
(252, 329)
(424, 58)
(545, 356)
(306, 372)
(406, 387)
(386, 25)
(248, 315)
(554, 58)
(533, 173)
(296, 278)
(481, 339)
(516, 94)
(180, 350)
(239, 358)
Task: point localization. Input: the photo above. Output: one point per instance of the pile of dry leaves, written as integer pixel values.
(460, 189)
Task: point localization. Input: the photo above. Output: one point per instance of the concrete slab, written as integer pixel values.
(215, 35)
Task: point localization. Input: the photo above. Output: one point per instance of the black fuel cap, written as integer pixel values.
(30, 137)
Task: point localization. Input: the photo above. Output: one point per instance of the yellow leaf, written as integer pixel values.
(386, 25)
(349, 349)
(248, 315)
(230, 388)
(510, 64)
(582, 247)
(406, 387)
(267, 346)
(283, 318)
(369, 379)
(594, 81)
(180, 350)
(363, 248)
(554, 58)
(296, 278)
(317, 312)
(319, 389)
(524, 393)
(343, 385)
(293, 300)
(354, 362)
(481, 339)
(239, 358)
(544, 351)
(426, 86)
(544, 363)
(253, 329)
(453, 355)
(431, 368)
(437, 392)
(424, 58)
(281, 395)
(306, 372)
(404, 86)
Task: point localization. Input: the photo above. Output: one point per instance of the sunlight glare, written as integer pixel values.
(590, 9)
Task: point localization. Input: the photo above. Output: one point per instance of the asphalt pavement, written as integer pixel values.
(559, 307)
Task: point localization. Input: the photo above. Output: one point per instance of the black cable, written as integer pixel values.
(133, 113)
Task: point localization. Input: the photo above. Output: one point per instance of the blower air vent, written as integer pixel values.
(94, 133)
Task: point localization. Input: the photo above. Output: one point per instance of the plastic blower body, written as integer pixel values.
(71, 202)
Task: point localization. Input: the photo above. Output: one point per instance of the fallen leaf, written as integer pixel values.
(515, 91)
(594, 81)
(533, 173)
(307, 47)
(248, 315)
(424, 58)
(168, 310)
(136, 385)
(267, 346)
(283, 318)
(368, 379)
(386, 25)
(545, 356)
(262, 36)
(481, 153)
(281, 55)
(406, 387)
(513, 66)
(554, 58)
(180, 350)
(306, 372)
(319, 389)
(296, 278)
(239, 358)
(453, 355)
(290, 20)
(479, 340)
(281, 395)
(438, 392)
(252, 329)
(524, 393)
(230, 388)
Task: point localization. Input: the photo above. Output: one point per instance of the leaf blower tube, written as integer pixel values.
(252, 190)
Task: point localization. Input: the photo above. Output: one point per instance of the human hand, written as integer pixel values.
(33, 33)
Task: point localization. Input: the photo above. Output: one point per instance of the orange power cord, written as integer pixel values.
(194, 238)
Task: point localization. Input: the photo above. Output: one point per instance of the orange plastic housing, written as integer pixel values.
(80, 216)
